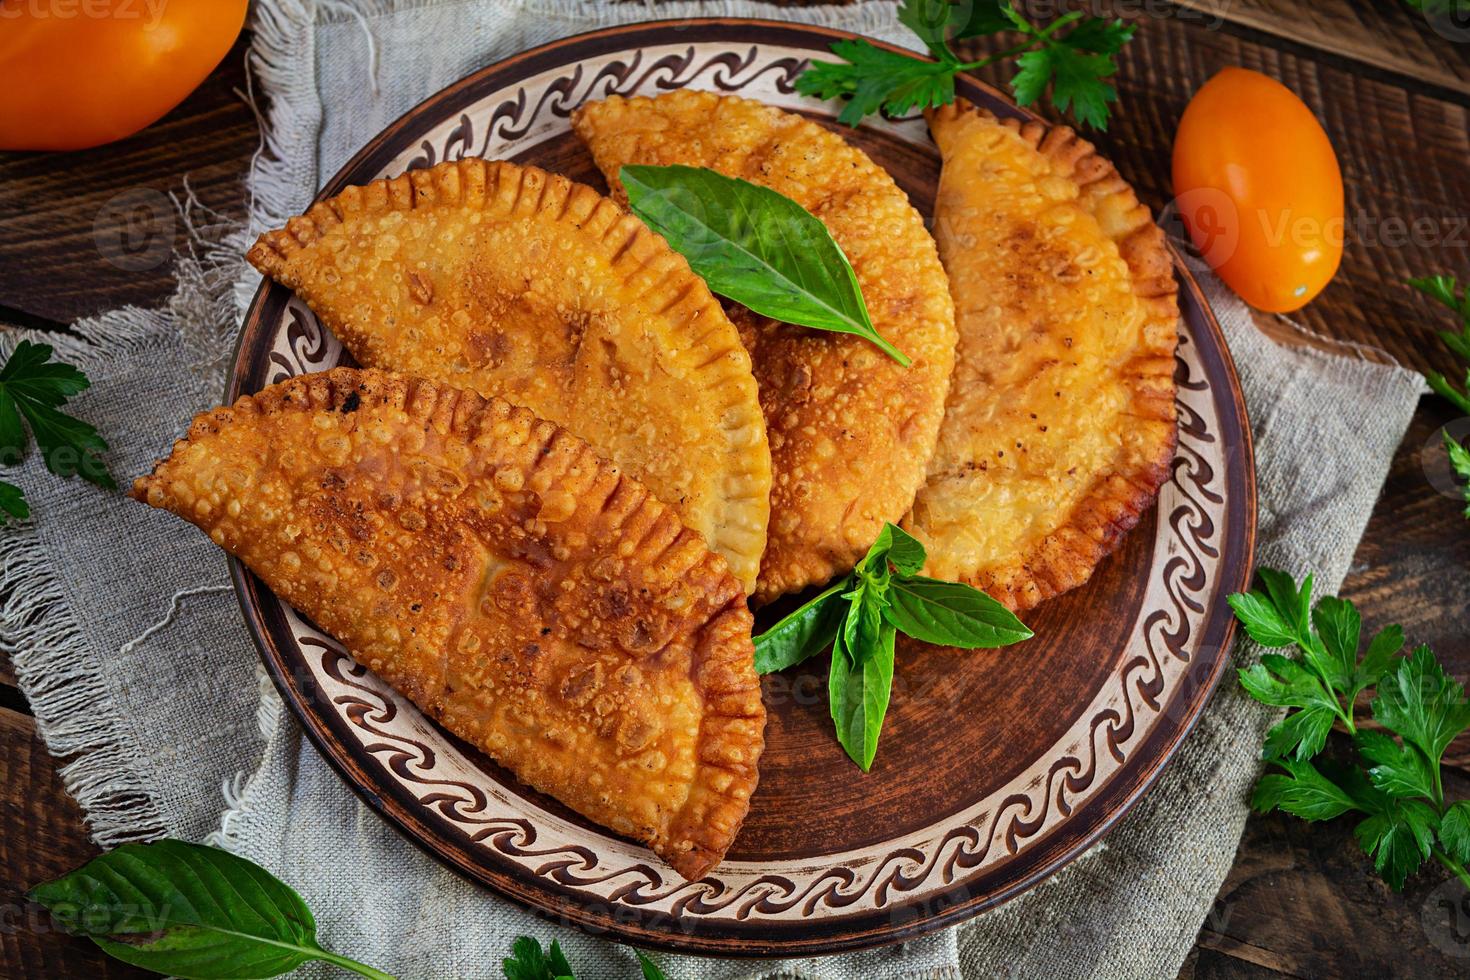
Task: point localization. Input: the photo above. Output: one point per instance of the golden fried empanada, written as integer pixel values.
(523, 284)
(850, 430)
(1060, 425)
(514, 585)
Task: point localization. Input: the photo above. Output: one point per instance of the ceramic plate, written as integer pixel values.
(996, 768)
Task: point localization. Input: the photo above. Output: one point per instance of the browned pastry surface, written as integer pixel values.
(517, 587)
(1060, 425)
(524, 285)
(850, 430)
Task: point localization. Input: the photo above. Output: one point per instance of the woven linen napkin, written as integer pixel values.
(128, 642)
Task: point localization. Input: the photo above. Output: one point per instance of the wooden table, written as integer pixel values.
(1301, 900)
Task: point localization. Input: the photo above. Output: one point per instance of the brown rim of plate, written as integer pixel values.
(1082, 827)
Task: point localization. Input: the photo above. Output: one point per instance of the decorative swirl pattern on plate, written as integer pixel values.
(1153, 677)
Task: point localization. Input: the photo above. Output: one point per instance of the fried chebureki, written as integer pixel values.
(524, 285)
(514, 585)
(850, 430)
(1060, 426)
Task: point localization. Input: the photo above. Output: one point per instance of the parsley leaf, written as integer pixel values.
(1072, 64)
(1398, 785)
(1422, 704)
(1301, 791)
(1076, 78)
(33, 387)
(1446, 291)
(1399, 840)
(13, 502)
(1399, 770)
(1454, 831)
(650, 968)
(528, 962)
(858, 619)
(1460, 461)
(874, 78)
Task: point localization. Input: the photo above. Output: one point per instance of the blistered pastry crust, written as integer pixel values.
(1060, 427)
(850, 430)
(523, 284)
(517, 587)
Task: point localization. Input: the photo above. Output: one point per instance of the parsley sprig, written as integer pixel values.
(1397, 786)
(858, 619)
(1073, 57)
(529, 962)
(1448, 292)
(33, 387)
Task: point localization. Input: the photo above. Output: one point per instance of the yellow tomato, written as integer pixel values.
(84, 72)
(1259, 188)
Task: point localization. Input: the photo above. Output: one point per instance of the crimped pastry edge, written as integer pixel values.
(629, 245)
(721, 668)
(1067, 557)
(797, 568)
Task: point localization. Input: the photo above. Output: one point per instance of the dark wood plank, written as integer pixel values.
(1401, 153)
(1384, 33)
(92, 230)
(1302, 901)
(43, 837)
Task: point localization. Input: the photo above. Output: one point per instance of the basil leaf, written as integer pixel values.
(190, 911)
(905, 551)
(803, 633)
(754, 246)
(951, 614)
(857, 692)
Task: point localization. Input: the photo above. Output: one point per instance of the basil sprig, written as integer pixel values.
(191, 911)
(858, 619)
(754, 246)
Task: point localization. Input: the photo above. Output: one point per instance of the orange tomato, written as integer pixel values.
(1259, 188)
(84, 72)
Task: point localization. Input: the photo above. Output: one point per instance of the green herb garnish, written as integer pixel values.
(190, 911)
(754, 246)
(1397, 785)
(33, 388)
(1073, 57)
(858, 619)
(1448, 292)
(528, 962)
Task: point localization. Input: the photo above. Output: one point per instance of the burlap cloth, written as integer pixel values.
(131, 649)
